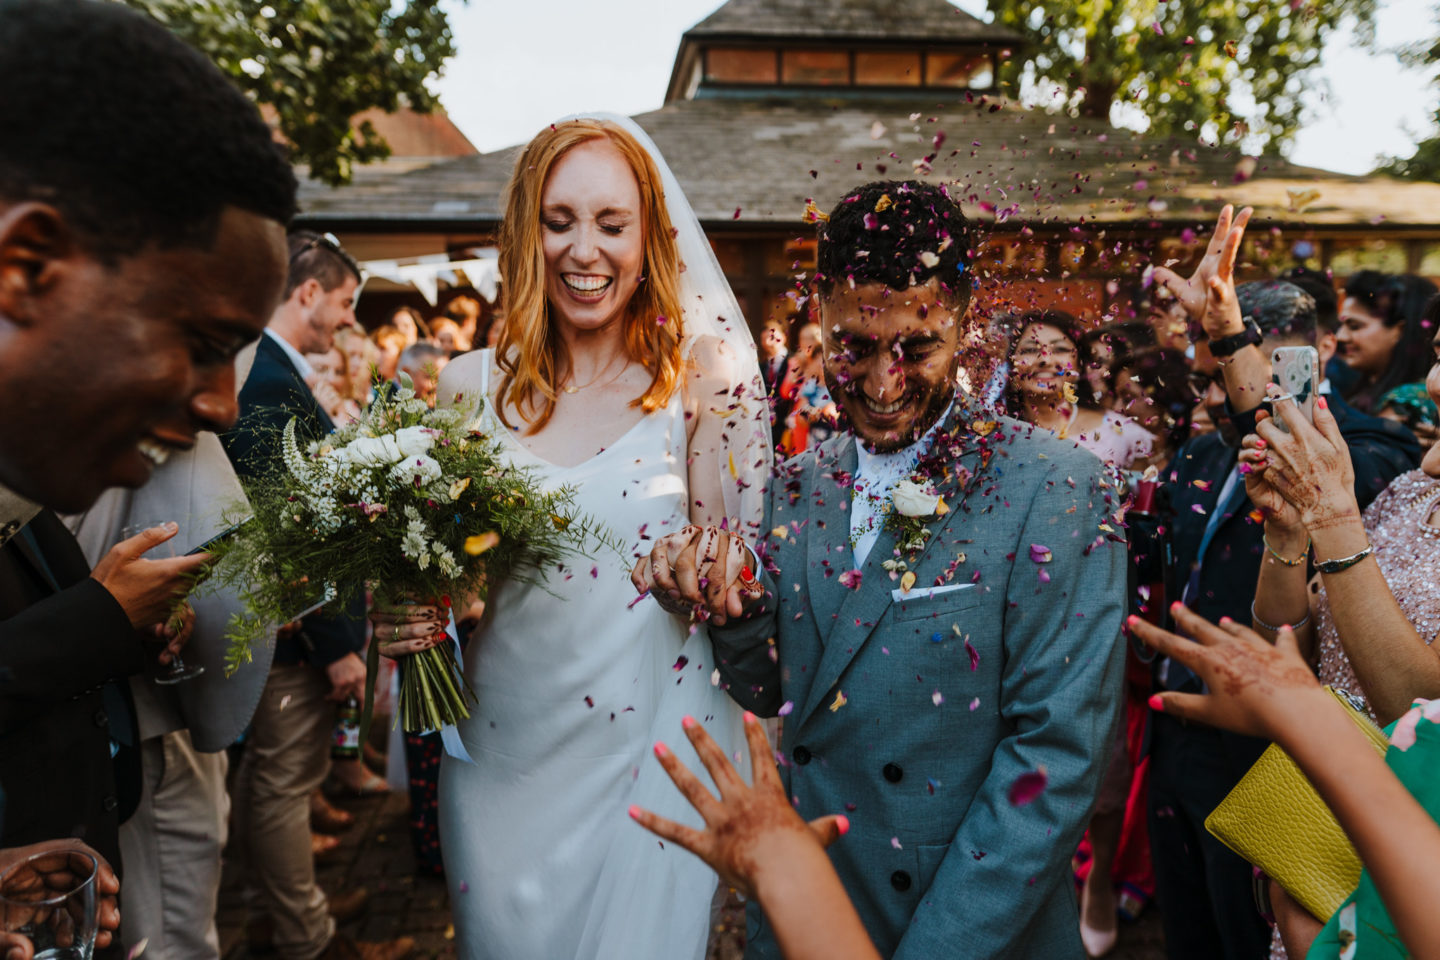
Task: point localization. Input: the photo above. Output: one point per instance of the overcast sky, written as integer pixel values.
(523, 63)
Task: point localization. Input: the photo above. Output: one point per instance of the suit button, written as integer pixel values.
(892, 772)
(101, 720)
(110, 803)
(900, 880)
(801, 755)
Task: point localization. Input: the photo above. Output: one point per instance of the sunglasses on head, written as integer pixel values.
(327, 241)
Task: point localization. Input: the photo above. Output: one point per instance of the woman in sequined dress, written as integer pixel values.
(1366, 629)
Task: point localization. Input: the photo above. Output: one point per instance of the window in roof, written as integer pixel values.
(887, 68)
(740, 65)
(815, 67)
(973, 71)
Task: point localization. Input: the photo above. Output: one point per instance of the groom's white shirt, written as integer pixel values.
(875, 477)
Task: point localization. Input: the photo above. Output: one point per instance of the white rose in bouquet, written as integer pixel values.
(413, 441)
(373, 451)
(912, 500)
(417, 470)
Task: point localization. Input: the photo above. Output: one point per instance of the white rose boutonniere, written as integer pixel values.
(912, 502)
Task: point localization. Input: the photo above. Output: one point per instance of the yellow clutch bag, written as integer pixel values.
(1276, 821)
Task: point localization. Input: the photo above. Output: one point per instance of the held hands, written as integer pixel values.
(750, 832)
(148, 590)
(1254, 687)
(1209, 295)
(409, 628)
(704, 571)
(1308, 466)
(54, 871)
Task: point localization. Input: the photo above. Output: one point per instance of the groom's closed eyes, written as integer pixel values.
(854, 347)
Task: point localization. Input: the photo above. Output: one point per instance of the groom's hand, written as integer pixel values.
(701, 570)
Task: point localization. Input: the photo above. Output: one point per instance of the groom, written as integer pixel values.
(950, 680)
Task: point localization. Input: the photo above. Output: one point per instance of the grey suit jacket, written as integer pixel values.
(916, 715)
(194, 488)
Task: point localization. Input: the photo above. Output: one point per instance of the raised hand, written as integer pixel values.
(749, 830)
(1309, 466)
(1254, 685)
(1208, 296)
(149, 591)
(699, 570)
(1254, 454)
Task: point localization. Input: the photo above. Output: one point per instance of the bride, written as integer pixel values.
(626, 372)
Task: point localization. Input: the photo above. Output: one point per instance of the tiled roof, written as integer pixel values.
(753, 163)
(880, 20)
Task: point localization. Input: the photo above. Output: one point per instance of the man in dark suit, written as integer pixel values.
(1215, 541)
(130, 277)
(288, 750)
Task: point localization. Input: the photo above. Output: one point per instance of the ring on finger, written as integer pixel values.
(396, 638)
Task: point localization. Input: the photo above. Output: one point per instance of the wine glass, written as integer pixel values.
(50, 898)
(176, 671)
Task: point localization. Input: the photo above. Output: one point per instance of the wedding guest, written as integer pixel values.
(496, 330)
(446, 335)
(1102, 348)
(774, 350)
(465, 312)
(1216, 552)
(133, 277)
(391, 343)
(422, 362)
(759, 845)
(362, 360)
(410, 324)
(331, 383)
(1265, 690)
(958, 852)
(1152, 387)
(287, 752)
(811, 414)
(1381, 335)
(1045, 390)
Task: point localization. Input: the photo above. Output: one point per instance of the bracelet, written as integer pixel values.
(1344, 563)
(1265, 626)
(1289, 563)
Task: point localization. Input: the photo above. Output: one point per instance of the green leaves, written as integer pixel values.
(319, 63)
(1231, 70)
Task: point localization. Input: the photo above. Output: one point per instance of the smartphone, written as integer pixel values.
(1296, 371)
(209, 545)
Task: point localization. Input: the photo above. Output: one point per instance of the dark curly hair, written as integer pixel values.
(1399, 300)
(879, 234)
(132, 135)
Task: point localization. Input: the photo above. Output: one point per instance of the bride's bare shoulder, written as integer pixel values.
(466, 376)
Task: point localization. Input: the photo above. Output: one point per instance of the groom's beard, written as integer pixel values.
(931, 397)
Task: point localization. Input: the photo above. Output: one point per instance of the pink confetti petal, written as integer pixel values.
(974, 656)
(1027, 787)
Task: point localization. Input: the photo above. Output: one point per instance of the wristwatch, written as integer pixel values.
(1226, 346)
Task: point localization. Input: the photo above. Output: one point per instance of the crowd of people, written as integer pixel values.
(970, 614)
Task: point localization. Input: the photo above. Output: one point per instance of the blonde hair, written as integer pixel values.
(530, 353)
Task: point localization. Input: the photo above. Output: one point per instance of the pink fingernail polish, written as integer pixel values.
(842, 824)
(634, 812)
(1156, 702)
(687, 722)
(660, 749)
(1132, 620)
(1320, 402)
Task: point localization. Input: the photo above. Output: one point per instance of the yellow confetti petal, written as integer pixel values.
(733, 472)
(941, 507)
(884, 203)
(780, 532)
(814, 214)
(1067, 390)
(479, 543)
(983, 427)
(840, 701)
(907, 581)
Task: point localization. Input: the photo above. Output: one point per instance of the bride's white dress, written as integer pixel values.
(574, 687)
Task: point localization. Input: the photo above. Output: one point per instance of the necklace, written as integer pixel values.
(576, 388)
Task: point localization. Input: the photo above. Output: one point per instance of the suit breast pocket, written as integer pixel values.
(936, 603)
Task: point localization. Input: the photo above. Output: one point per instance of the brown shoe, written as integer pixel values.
(327, 818)
(349, 905)
(343, 948)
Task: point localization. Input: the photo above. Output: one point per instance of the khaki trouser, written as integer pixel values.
(171, 850)
(287, 756)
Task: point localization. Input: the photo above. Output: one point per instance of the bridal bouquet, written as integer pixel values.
(416, 502)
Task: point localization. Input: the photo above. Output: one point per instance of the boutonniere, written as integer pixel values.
(913, 502)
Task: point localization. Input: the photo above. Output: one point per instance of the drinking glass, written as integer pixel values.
(50, 898)
(177, 671)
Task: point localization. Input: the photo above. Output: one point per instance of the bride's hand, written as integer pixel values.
(749, 831)
(700, 570)
(408, 629)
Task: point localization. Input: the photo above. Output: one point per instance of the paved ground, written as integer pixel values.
(376, 854)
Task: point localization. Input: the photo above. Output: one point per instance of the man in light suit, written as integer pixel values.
(949, 680)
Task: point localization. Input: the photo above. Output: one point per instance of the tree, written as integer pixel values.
(1217, 69)
(319, 63)
(1424, 163)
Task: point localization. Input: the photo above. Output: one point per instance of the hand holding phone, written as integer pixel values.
(1296, 371)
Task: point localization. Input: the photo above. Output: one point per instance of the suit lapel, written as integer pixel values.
(300, 388)
(862, 608)
(828, 556)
